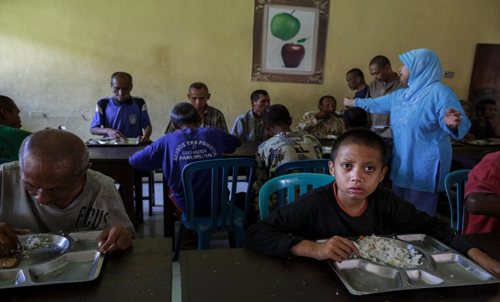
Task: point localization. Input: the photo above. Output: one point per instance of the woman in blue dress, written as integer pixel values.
(423, 118)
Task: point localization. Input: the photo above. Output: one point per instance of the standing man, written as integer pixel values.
(324, 121)
(211, 117)
(249, 127)
(11, 136)
(384, 82)
(122, 115)
(356, 82)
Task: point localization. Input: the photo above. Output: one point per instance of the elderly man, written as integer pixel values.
(211, 117)
(51, 189)
(324, 121)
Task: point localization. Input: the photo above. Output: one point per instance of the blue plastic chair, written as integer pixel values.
(457, 216)
(291, 184)
(303, 166)
(225, 216)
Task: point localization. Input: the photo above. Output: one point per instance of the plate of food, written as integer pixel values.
(406, 262)
(484, 142)
(43, 259)
(107, 141)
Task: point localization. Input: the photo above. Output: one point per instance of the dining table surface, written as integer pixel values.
(112, 160)
(141, 273)
(466, 156)
(244, 275)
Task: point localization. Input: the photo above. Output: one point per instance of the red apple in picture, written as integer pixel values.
(292, 54)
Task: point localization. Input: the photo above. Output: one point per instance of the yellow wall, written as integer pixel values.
(56, 55)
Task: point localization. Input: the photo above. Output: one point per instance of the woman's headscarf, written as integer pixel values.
(425, 69)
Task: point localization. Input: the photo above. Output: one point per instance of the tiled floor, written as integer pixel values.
(153, 227)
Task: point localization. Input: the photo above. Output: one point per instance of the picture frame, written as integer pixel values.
(289, 40)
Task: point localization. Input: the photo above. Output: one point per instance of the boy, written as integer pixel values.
(190, 143)
(122, 115)
(249, 127)
(353, 205)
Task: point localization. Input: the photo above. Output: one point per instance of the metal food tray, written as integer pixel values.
(57, 259)
(112, 142)
(441, 267)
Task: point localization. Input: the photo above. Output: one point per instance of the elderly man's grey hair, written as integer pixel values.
(55, 145)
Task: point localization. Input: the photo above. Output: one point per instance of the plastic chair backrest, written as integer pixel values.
(303, 166)
(222, 202)
(304, 182)
(457, 215)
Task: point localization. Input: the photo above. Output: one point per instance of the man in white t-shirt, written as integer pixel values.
(51, 189)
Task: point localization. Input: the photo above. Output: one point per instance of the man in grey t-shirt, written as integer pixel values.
(51, 189)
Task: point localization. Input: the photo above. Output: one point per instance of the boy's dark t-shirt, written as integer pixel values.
(316, 215)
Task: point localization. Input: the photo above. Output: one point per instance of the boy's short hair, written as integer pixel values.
(198, 86)
(481, 106)
(276, 115)
(121, 74)
(361, 136)
(257, 94)
(184, 114)
(356, 117)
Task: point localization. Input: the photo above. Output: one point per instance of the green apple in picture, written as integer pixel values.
(284, 26)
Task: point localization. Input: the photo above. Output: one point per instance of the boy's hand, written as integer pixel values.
(336, 248)
(348, 102)
(488, 263)
(115, 134)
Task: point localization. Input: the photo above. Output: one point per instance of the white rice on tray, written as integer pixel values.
(386, 251)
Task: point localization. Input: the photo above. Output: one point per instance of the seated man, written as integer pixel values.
(122, 115)
(190, 143)
(356, 82)
(481, 127)
(51, 189)
(249, 127)
(353, 205)
(210, 117)
(284, 145)
(324, 121)
(355, 117)
(482, 196)
(11, 136)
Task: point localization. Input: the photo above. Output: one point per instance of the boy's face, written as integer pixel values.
(199, 98)
(121, 88)
(358, 171)
(490, 111)
(261, 104)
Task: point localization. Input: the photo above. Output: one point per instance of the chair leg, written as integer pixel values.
(236, 238)
(203, 240)
(178, 241)
(151, 189)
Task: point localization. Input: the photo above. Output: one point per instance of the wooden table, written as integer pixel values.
(243, 275)
(113, 162)
(467, 156)
(142, 273)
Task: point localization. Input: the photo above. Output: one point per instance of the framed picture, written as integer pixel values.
(289, 38)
